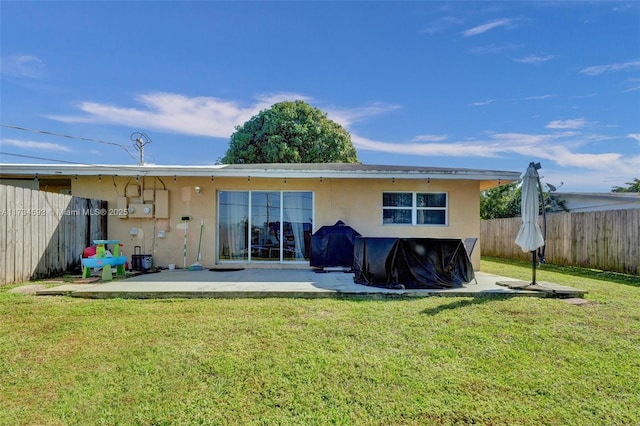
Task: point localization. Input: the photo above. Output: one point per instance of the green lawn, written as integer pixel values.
(438, 360)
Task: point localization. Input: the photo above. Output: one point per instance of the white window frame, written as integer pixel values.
(415, 208)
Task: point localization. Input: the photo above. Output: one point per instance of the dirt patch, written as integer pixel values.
(27, 289)
(578, 301)
(87, 280)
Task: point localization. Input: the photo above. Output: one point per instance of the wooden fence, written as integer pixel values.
(607, 240)
(43, 234)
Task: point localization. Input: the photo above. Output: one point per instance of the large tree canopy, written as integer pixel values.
(290, 132)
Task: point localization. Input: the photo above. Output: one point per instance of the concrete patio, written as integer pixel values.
(301, 283)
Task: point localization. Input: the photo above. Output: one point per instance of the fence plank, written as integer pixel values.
(19, 233)
(607, 240)
(9, 267)
(42, 236)
(4, 243)
(63, 228)
(25, 270)
(35, 234)
(80, 231)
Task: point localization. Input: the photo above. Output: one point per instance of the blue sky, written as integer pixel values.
(485, 85)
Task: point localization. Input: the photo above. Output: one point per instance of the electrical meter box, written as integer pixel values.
(140, 210)
(132, 190)
(147, 195)
(162, 204)
(122, 207)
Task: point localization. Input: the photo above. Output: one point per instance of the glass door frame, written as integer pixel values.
(281, 251)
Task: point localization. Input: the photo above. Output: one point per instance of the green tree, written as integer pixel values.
(501, 202)
(506, 200)
(290, 132)
(633, 187)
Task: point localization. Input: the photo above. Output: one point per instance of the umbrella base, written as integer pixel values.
(544, 287)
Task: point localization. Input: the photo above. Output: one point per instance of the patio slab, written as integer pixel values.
(261, 283)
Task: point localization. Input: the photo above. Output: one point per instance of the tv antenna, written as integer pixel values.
(140, 140)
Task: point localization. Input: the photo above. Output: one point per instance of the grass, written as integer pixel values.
(493, 361)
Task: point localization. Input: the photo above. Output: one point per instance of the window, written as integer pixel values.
(414, 208)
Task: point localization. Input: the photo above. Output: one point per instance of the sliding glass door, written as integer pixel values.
(264, 226)
(233, 225)
(297, 220)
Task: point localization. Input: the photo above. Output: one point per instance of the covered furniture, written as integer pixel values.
(332, 246)
(415, 263)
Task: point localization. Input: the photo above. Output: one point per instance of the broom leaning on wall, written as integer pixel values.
(198, 266)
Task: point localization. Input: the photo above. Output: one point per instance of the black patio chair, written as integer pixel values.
(469, 245)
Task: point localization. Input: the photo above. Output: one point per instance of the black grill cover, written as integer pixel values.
(416, 263)
(332, 246)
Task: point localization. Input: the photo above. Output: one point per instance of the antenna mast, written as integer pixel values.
(140, 140)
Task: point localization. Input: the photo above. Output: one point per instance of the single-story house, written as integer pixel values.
(265, 214)
(576, 202)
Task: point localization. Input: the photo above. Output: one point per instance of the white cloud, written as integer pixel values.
(39, 146)
(588, 95)
(29, 66)
(429, 138)
(493, 48)
(583, 181)
(203, 116)
(346, 117)
(635, 136)
(600, 69)
(441, 25)
(535, 59)
(215, 117)
(456, 149)
(576, 123)
(175, 113)
(482, 103)
(559, 148)
(486, 27)
(538, 98)
(530, 98)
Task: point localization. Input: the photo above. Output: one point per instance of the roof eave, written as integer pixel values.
(256, 172)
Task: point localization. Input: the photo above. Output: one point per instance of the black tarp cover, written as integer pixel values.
(332, 246)
(415, 263)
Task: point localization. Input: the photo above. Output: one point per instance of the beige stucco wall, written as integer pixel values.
(357, 202)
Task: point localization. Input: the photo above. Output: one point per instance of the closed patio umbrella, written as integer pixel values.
(529, 236)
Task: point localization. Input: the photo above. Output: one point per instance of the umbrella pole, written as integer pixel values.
(533, 265)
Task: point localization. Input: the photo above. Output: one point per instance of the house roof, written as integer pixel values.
(271, 170)
(604, 195)
(594, 201)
